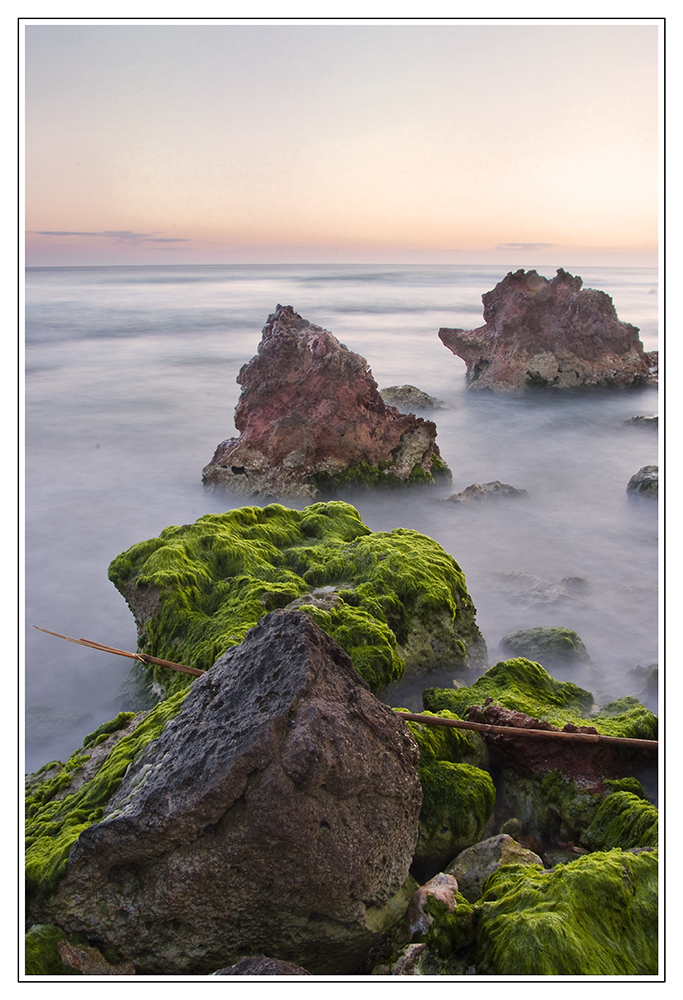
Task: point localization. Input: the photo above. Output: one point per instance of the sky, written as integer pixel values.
(259, 142)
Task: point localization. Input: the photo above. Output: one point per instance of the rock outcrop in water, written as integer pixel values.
(311, 420)
(554, 334)
(276, 813)
(645, 482)
(394, 600)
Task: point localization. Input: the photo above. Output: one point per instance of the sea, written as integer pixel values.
(131, 385)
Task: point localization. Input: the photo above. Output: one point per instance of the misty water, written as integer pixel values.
(130, 385)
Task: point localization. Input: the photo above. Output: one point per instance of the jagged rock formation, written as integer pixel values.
(311, 421)
(277, 811)
(550, 333)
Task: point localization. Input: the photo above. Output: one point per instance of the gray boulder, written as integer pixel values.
(410, 396)
(645, 482)
(259, 965)
(485, 491)
(473, 866)
(278, 811)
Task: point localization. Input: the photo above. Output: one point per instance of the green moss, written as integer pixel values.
(623, 820)
(525, 686)
(547, 644)
(364, 475)
(596, 916)
(107, 728)
(217, 577)
(55, 818)
(626, 785)
(457, 802)
(41, 955)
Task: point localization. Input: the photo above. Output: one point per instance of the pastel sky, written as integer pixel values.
(453, 142)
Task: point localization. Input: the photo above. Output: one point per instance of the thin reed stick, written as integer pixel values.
(481, 727)
(180, 667)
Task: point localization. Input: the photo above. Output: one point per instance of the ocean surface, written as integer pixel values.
(130, 385)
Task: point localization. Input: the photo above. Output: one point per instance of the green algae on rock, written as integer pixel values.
(596, 916)
(546, 645)
(524, 686)
(623, 820)
(393, 600)
(457, 796)
(62, 800)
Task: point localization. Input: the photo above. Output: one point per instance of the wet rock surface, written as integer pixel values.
(278, 810)
(546, 645)
(405, 396)
(550, 334)
(311, 420)
(259, 965)
(485, 491)
(473, 866)
(645, 482)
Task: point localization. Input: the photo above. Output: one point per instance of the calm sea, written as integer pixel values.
(130, 385)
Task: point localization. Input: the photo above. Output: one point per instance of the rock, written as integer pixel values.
(276, 811)
(417, 922)
(530, 591)
(488, 491)
(645, 482)
(649, 423)
(91, 962)
(596, 916)
(646, 680)
(259, 965)
(458, 794)
(547, 646)
(473, 866)
(552, 334)
(404, 396)
(623, 820)
(556, 785)
(311, 420)
(409, 961)
(395, 601)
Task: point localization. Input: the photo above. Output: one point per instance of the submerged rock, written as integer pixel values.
(394, 601)
(551, 334)
(547, 646)
(276, 811)
(645, 482)
(312, 421)
(486, 491)
(402, 396)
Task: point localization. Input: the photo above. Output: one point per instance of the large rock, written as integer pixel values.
(311, 419)
(395, 601)
(276, 812)
(550, 333)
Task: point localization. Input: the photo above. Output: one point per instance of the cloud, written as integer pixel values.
(524, 246)
(122, 235)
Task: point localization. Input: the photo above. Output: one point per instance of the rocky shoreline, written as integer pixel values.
(276, 816)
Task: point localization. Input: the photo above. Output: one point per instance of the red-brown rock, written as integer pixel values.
(311, 418)
(550, 333)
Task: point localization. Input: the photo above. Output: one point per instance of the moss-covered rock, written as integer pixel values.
(596, 916)
(62, 800)
(623, 820)
(524, 686)
(457, 795)
(41, 956)
(547, 645)
(554, 808)
(393, 600)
